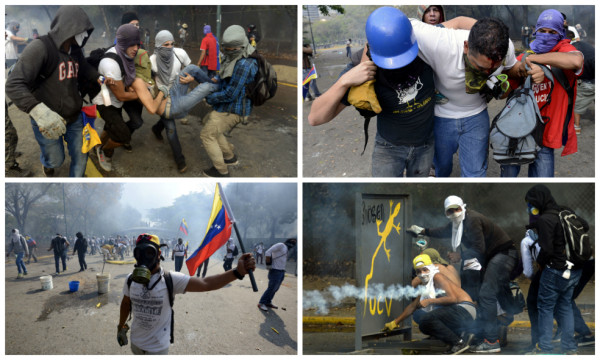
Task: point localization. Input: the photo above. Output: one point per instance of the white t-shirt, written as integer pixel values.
(278, 254)
(180, 60)
(443, 50)
(259, 249)
(10, 46)
(151, 325)
(230, 246)
(109, 68)
(179, 250)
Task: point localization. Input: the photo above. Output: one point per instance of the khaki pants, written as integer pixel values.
(215, 143)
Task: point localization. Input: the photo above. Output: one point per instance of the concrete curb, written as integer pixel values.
(333, 321)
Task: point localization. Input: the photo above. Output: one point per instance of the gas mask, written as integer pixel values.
(147, 255)
(534, 213)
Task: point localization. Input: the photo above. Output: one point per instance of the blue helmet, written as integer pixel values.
(392, 42)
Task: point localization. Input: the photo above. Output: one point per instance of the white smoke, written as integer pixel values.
(333, 295)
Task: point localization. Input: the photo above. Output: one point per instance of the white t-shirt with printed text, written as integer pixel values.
(151, 311)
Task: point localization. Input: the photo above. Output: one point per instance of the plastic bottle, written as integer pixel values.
(104, 91)
(567, 273)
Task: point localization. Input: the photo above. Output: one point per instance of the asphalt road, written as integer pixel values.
(225, 321)
(333, 149)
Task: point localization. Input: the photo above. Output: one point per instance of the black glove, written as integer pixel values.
(122, 334)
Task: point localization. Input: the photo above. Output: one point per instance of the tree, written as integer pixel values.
(324, 9)
(20, 198)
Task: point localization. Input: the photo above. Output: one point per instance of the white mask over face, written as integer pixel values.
(79, 38)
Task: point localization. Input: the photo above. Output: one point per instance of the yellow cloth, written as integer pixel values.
(90, 138)
(363, 97)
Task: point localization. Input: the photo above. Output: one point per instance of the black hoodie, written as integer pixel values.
(548, 226)
(59, 91)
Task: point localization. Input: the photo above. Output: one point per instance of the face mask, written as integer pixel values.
(474, 78)
(146, 256)
(231, 54)
(425, 278)
(455, 215)
(79, 38)
(544, 42)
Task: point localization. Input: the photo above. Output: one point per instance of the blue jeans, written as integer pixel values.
(53, 151)
(20, 264)
(62, 256)
(178, 263)
(495, 283)
(313, 83)
(556, 292)
(390, 160)
(182, 101)
(543, 166)
(169, 124)
(470, 135)
(275, 279)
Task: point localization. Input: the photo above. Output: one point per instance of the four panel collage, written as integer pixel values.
(233, 186)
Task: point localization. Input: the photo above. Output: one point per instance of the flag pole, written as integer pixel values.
(237, 232)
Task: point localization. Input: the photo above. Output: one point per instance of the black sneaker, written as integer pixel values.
(127, 147)
(49, 172)
(232, 161)
(462, 345)
(585, 340)
(213, 172)
(182, 167)
(16, 171)
(157, 133)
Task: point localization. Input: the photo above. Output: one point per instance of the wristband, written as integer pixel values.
(237, 274)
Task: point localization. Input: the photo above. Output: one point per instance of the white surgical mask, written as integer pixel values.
(79, 38)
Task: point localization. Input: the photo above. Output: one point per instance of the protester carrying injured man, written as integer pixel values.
(149, 293)
(448, 317)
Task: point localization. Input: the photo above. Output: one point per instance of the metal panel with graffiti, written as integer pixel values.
(382, 259)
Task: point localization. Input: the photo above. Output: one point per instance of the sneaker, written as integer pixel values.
(20, 276)
(585, 340)
(272, 306)
(16, 171)
(536, 351)
(104, 161)
(182, 167)
(461, 346)
(556, 337)
(48, 172)
(487, 347)
(232, 161)
(127, 147)
(157, 133)
(213, 172)
(263, 307)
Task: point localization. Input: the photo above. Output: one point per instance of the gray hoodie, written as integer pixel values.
(18, 243)
(60, 90)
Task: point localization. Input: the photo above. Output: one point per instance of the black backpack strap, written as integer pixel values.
(169, 282)
(117, 58)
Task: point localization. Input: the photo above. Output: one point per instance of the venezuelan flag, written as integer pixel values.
(217, 234)
(310, 76)
(183, 227)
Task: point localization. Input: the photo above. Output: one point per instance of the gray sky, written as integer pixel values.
(146, 196)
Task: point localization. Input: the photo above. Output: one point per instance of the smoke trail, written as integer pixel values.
(334, 295)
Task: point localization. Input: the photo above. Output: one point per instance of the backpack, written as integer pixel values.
(92, 88)
(264, 85)
(516, 133)
(235, 251)
(579, 246)
(169, 283)
(60, 243)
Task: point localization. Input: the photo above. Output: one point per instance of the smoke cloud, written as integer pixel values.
(322, 301)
